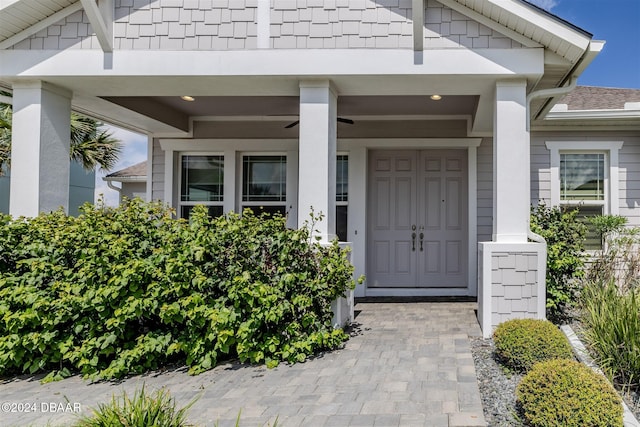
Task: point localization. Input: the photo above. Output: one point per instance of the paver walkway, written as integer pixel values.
(406, 365)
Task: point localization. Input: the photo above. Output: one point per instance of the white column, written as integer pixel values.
(511, 177)
(40, 149)
(357, 218)
(229, 199)
(317, 155)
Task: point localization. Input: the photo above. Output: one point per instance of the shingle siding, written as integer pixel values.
(514, 286)
(540, 173)
(629, 178)
(157, 181)
(485, 190)
(628, 168)
(294, 24)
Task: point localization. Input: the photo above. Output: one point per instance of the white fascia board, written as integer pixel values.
(125, 178)
(546, 23)
(40, 25)
(592, 115)
(101, 24)
(304, 63)
(594, 48)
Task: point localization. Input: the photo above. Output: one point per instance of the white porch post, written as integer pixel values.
(511, 178)
(511, 271)
(40, 149)
(317, 156)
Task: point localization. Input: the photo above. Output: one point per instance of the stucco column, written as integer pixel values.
(317, 156)
(511, 178)
(40, 149)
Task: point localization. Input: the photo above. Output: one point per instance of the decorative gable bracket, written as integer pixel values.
(100, 14)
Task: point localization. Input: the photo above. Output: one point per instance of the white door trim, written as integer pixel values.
(358, 153)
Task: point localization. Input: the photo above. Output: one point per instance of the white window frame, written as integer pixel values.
(240, 181)
(343, 202)
(611, 203)
(180, 202)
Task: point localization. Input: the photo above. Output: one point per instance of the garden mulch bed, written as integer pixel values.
(498, 388)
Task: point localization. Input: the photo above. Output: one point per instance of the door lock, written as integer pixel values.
(421, 237)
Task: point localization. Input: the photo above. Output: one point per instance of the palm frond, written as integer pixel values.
(99, 149)
(89, 145)
(5, 137)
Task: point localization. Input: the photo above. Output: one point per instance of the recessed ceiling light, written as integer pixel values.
(436, 97)
(187, 98)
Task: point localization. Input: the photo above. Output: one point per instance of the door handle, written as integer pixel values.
(413, 238)
(421, 237)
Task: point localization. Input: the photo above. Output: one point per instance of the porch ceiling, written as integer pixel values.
(207, 106)
(268, 115)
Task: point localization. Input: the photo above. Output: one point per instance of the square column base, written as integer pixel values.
(511, 283)
(343, 307)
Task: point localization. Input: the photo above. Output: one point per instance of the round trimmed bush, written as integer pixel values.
(522, 342)
(565, 393)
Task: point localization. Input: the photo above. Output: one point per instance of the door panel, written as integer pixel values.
(450, 229)
(403, 212)
(431, 257)
(426, 190)
(432, 211)
(455, 217)
(392, 212)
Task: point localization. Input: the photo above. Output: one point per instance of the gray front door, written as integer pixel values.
(417, 219)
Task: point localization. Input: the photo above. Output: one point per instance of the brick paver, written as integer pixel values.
(407, 364)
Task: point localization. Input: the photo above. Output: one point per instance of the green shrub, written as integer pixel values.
(611, 320)
(619, 261)
(607, 224)
(142, 410)
(565, 393)
(565, 236)
(119, 291)
(520, 343)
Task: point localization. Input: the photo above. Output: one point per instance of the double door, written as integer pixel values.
(417, 222)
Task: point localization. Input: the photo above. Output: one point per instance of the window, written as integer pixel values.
(584, 176)
(201, 183)
(582, 180)
(264, 184)
(342, 196)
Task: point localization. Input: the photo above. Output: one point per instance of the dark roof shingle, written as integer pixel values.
(137, 170)
(599, 98)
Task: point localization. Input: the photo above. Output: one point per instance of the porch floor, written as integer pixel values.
(406, 364)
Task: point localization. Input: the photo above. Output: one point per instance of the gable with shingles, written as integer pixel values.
(293, 24)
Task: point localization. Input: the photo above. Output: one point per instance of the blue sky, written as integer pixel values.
(134, 151)
(618, 65)
(615, 21)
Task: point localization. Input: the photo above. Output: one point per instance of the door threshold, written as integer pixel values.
(417, 292)
(416, 299)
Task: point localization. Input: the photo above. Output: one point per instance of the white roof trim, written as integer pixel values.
(488, 22)
(508, 17)
(136, 178)
(592, 114)
(40, 25)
